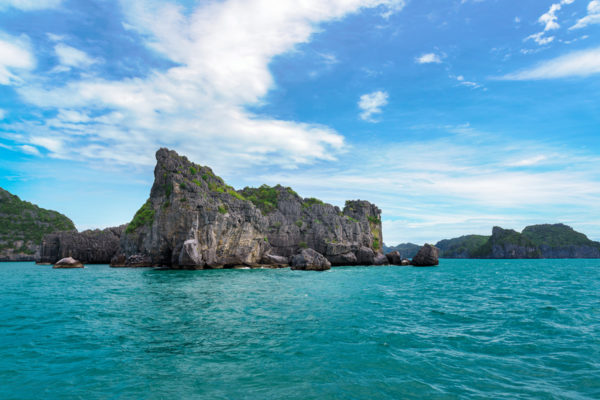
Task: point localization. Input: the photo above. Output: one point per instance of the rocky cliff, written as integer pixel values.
(90, 247)
(194, 220)
(22, 226)
(536, 241)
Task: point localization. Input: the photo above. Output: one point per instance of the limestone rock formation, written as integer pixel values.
(428, 256)
(68, 262)
(91, 246)
(310, 260)
(194, 220)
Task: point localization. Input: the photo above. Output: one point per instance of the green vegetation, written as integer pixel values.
(374, 220)
(376, 243)
(197, 182)
(182, 185)
(303, 245)
(223, 209)
(193, 171)
(291, 191)
(204, 177)
(351, 219)
(463, 246)
(168, 189)
(311, 201)
(317, 221)
(144, 216)
(266, 198)
(24, 221)
(299, 223)
(557, 235)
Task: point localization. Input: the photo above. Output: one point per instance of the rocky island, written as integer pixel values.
(194, 220)
(536, 241)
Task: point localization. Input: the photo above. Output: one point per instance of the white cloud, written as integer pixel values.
(550, 22)
(222, 51)
(592, 18)
(71, 57)
(463, 82)
(29, 5)
(14, 55)
(2, 114)
(30, 150)
(429, 58)
(576, 64)
(371, 103)
(540, 39)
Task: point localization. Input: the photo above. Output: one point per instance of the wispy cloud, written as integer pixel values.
(15, 57)
(71, 57)
(429, 58)
(493, 182)
(29, 5)
(371, 104)
(592, 18)
(576, 64)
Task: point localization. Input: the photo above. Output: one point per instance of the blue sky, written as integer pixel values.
(452, 116)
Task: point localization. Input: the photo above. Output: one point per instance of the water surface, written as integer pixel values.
(467, 329)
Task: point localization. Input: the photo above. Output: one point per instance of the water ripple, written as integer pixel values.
(468, 329)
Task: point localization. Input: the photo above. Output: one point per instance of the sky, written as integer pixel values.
(452, 116)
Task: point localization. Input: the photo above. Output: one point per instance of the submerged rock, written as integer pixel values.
(428, 256)
(310, 260)
(68, 262)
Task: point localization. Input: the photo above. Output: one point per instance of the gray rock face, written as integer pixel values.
(91, 247)
(194, 220)
(310, 260)
(428, 256)
(394, 258)
(68, 262)
(380, 259)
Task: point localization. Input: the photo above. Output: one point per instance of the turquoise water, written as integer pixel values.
(467, 329)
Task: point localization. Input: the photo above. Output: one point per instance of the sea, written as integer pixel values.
(468, 329)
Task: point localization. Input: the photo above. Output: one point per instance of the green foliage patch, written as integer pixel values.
(311, 201)
(266, 198)
(22, 220)
(144, 216)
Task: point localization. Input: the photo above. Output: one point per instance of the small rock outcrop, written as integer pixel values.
(428, 256)
(194, 220)
(68, 262)
(91, 246)
(310, 260)
(394, 257)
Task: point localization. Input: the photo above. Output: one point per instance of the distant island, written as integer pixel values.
(194, 220)
(536, 241)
